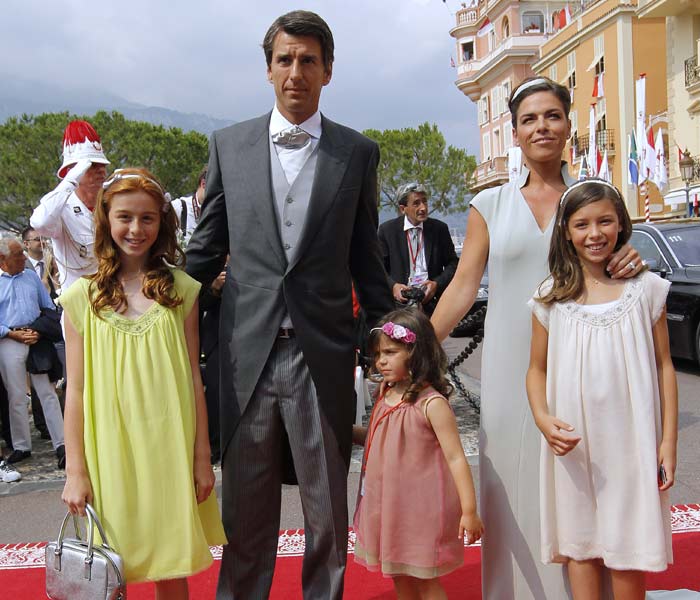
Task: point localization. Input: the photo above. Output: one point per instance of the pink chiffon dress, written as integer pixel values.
(408, 510)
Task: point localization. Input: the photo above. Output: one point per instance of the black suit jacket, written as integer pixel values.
(440, 255)
(338, 245)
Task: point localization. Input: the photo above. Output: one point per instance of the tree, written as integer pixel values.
(422, 155)
(30, 154)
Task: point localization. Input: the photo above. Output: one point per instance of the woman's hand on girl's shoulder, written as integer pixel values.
(559, 435)
(76, 493)
(204, 479)
(620, 263)
(471, 527)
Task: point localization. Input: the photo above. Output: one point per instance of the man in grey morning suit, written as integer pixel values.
(291, 196)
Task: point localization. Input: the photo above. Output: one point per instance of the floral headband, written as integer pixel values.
(396, 332)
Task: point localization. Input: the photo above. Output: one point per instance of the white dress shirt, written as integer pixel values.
(416, 249)
(294, 159)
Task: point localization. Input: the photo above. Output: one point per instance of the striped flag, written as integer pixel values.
(583, 169)
(632, 157)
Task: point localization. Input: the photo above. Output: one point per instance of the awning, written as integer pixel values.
(677, 197)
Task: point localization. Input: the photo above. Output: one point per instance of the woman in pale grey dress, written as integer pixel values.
(510, 227)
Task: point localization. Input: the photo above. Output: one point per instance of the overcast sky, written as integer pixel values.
(392, 60)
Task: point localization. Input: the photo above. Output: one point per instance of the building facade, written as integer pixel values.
(497, 42)
(606, 45)
(682, 36)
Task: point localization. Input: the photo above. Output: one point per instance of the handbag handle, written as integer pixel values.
(92, 522)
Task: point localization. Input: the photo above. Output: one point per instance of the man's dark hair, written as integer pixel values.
(26, 231)
(301, 22)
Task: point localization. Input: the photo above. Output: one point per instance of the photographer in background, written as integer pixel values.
(418, 251)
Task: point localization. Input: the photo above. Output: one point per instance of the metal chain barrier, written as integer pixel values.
(477, 318)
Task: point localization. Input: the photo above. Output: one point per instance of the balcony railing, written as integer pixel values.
(692, 71)
(582, 6)
(605, 140)
(489, 173)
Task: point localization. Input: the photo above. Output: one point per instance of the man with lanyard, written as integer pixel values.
(189, 208)
(418, 252)
(65, 214)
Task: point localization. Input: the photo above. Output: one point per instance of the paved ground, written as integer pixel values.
(31, 510)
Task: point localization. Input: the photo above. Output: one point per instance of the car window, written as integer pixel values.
(685, 243)
(647, 248)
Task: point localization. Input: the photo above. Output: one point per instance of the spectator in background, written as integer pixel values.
(65, 214)
(189, 208)
(22, 296)
(40, 260)
(418, 251)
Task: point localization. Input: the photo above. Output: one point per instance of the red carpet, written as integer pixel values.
(22, 569)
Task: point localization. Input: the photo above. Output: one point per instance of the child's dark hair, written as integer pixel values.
(427, 362)
(564, 264)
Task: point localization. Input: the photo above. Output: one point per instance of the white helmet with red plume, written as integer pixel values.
(80, 141)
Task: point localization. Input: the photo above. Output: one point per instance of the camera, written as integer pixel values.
(414, 295)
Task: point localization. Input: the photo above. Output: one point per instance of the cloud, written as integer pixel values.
(392, 65)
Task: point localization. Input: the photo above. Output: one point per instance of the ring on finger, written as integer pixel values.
(632, 266)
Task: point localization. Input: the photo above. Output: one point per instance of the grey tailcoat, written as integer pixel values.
(338, 244)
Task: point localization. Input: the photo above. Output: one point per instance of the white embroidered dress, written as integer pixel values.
(602, 499)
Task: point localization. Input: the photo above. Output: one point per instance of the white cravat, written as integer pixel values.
(294, 159)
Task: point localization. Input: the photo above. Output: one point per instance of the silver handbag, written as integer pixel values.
(77, 569)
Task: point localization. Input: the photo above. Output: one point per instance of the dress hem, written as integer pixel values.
(174, 575)
(610, 560)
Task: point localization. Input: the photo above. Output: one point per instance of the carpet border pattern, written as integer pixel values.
(685, 518)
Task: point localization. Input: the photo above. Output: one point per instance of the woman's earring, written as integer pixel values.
(410, 374)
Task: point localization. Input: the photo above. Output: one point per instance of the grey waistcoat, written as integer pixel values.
(292, 203)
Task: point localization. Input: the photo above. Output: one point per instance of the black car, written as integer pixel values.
(673, 251)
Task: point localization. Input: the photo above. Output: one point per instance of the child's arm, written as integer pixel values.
(668, 389)
(444, 424)
(204, 478)
(556, 432)
(359, 434)
(77, 490)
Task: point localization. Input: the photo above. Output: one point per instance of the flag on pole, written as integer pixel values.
(567, 10)
(640, 97)
(598, 91)
(649, 156)
(660, 172)
(583, 169)
(604, 172)
(592, 158)
(485, 28)
(515, 161)
(632, 168)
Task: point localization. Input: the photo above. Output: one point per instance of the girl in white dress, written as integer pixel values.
(602, 389)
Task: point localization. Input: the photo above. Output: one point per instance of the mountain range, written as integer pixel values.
(26, 96)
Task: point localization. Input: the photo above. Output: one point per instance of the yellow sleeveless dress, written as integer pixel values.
(139, 430)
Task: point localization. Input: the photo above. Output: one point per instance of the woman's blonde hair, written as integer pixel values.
(105, 289)
(564, 264)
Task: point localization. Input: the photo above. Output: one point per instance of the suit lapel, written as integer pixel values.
(260, 180)
(402, 240)
(428, 241)
(333, 158)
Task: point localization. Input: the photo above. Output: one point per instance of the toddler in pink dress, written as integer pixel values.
(416, 500)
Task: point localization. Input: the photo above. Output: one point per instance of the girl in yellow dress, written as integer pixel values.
(137, 446)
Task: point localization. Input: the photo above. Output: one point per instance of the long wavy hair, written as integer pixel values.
(427, 361)
(105, 289)
(564, 264)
